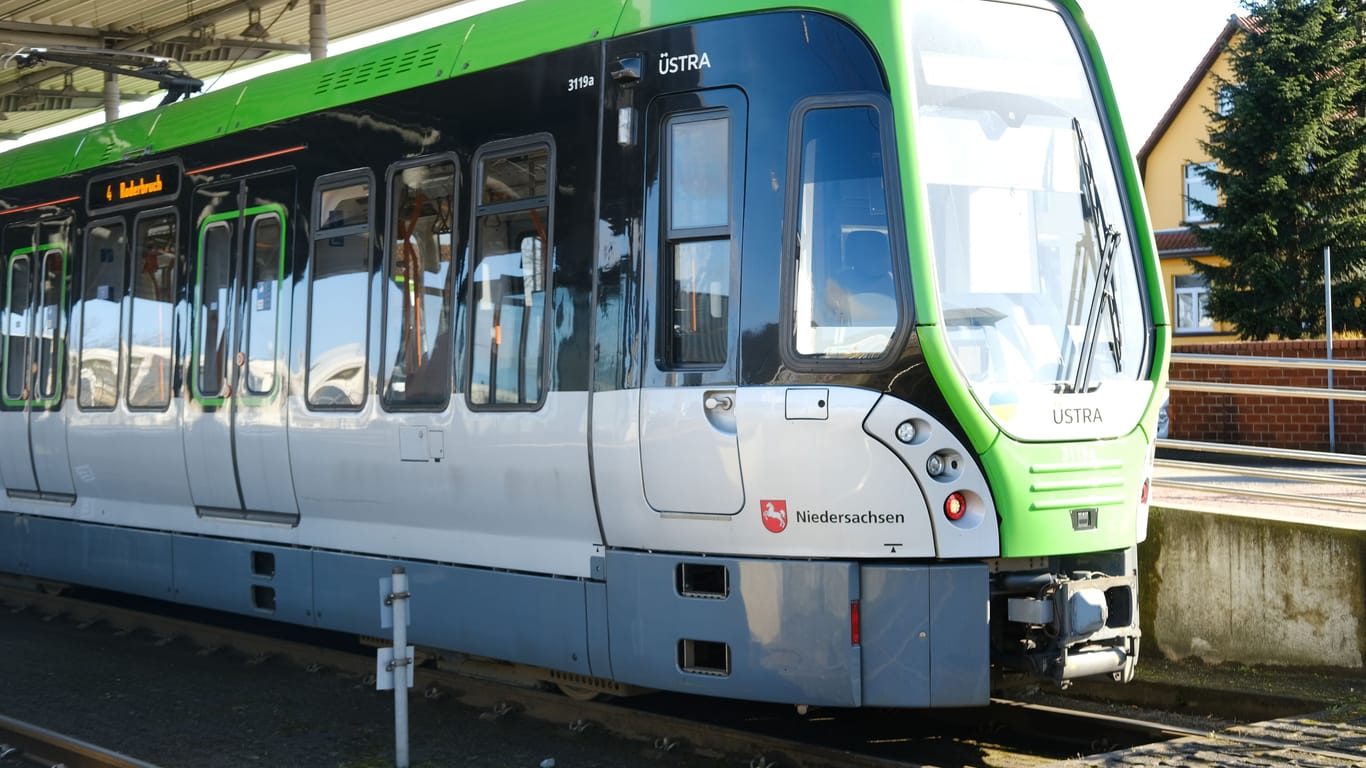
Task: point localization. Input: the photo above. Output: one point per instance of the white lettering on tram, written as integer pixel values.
(690, 62)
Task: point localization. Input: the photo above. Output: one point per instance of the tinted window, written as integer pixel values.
(509, 279)
(155, 275)
(699, 173)
(262, 332)
(418, 341)
(211, 339)
(101, 303)
(697, 265)
(845, 299)
(51, 300)
(339, 296)
(19, 284)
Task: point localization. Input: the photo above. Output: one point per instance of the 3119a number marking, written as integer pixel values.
(581, 82)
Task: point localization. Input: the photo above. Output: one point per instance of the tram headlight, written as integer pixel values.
(905, 432)
(934, 465)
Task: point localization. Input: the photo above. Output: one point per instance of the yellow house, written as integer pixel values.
(1168, 161)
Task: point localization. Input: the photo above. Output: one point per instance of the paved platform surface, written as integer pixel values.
(1299, 741)
(1333, 738)
(1332, 495)
(1316, 503)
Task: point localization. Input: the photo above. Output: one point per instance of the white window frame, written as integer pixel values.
(1197, 188)
(1197, 291)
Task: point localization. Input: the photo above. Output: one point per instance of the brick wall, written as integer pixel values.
(1277, 422)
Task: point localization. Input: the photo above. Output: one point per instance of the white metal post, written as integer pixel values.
(399, 665)
(1328, 335)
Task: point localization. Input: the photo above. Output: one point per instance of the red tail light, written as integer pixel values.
(955, 506)
(853, 623)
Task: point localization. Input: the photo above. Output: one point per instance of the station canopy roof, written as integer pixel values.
(56, 54)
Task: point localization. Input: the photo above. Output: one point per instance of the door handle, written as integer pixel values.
(718, 403)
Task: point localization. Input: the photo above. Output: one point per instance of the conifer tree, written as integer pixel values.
(1290, 149)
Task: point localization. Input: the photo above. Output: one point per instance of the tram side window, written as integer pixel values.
(156, 268)
(19, 286)
(339, 294)
(215, 309)
(101, 304)
(846, 302)
(50, 333)
(418, 340)
(266, 240)
(697, 263)
(510, 276)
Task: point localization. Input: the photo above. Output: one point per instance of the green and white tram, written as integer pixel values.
(790, 353)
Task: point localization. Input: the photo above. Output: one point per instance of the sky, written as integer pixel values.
(1150, 48)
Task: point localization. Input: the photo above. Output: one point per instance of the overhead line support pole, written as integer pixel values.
(317, 29)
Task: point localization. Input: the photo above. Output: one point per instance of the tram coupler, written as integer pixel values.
(1068, 627)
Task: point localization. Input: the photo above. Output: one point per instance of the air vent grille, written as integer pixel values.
(378, 69)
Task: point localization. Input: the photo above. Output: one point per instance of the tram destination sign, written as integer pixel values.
(159, 182)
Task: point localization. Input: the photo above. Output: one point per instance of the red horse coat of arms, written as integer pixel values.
(774, 514)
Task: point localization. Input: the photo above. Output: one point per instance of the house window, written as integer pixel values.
(1224, 100)
(1199, 190)
(1192, 305)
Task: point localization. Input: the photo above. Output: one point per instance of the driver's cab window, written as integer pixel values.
(697, 265)
(846, 298)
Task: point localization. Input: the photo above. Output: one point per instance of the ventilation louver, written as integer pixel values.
(378, 69)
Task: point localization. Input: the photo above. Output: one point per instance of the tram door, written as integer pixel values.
(235, 438)
(33, 454)
(690, 455)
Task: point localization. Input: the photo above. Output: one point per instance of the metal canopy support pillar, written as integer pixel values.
(317, 29)
(111, 97)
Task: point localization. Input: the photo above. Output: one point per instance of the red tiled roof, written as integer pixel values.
(1235, 24)
(1173, 242)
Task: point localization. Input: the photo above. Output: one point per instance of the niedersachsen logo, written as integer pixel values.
(826, 517)
(774, 515)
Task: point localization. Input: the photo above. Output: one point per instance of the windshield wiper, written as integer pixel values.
(1103, 295)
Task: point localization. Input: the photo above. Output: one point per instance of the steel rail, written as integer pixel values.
(51, 748)
(665, 732)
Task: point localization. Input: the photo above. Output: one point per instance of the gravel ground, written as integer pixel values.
(175, 706)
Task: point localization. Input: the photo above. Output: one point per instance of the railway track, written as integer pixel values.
(24, 744)
(1008, 733)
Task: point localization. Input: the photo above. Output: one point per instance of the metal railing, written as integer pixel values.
(1313, 468)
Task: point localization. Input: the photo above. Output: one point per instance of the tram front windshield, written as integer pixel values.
(1034, 292)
